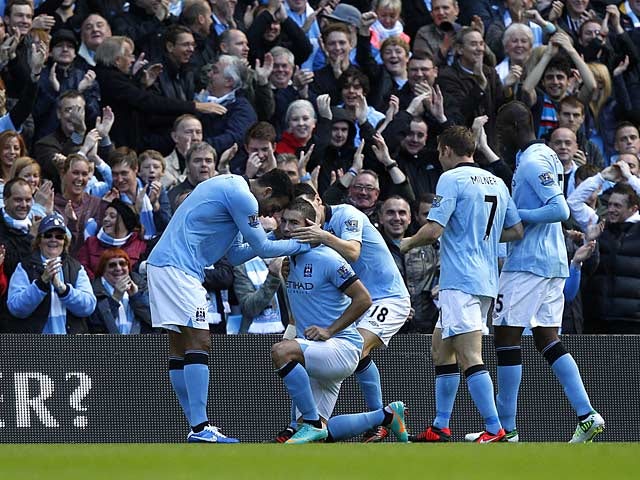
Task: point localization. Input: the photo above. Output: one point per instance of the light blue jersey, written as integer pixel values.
(206, 227)
(315, 287)
(473, 206)
(538, 178)
(375, 266)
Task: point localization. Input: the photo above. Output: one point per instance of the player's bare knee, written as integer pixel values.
(544, 336)
(285, 352)
(507, 336)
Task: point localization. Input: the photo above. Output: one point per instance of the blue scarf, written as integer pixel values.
(109, 240)
(146, 213)
(22, 225)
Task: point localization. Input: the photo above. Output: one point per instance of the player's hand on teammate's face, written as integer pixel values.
(317, 333)
(285, 268)
(313, 233)
(275, 266)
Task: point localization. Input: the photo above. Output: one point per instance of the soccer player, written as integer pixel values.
(472, 212)
(533, 276)
(326, 298)
(205, 228)
(350, 233)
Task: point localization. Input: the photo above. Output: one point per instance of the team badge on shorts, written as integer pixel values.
(344, 271)
(308, 270)
(436, 201)
(546, 179)
(351, 225)
(253, 221)
(201, 315)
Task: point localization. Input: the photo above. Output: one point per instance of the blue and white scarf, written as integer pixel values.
(125, 319)
(57, 321)
(109, 240)
(22, 225)
(146, 213)
(269, 320)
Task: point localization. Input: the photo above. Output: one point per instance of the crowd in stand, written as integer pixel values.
(112, 112)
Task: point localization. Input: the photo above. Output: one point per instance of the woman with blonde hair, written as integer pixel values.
(28, 169)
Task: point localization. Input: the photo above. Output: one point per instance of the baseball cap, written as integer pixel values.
(64, 35)
(52, 222)
(346, 14)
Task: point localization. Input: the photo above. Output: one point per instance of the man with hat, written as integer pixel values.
(62, 75)
(49, 292)
(344, 14)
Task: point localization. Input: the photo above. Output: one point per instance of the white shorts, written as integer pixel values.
(528, 300)
(462, 312)
(176, 299)
(385, 317)
(328, 364)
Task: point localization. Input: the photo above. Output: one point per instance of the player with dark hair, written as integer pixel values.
(533, 277)
(207, 229)
(471, 213)
(326, 348)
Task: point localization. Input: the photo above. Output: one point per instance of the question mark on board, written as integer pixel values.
(81, 391)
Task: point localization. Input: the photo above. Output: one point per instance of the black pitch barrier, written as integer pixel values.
(76, 389)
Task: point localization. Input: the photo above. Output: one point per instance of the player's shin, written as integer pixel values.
(368, 378)
(509, 378)
(296, 380)
(447, 382)
(481, 389)
(176, 376)
(196, 378)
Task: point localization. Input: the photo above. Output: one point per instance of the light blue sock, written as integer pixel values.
(296, 380)
(176, 376)
(509, 378)
(196, 379)
(294, 421)
(369, 381)
(446, 391)
(481, 390)
(568, 374)
(347, 426)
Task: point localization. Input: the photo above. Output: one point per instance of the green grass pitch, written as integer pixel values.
(347, 461)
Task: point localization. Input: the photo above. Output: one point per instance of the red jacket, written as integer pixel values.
(289, 144)
(3, 280)
(92, 249)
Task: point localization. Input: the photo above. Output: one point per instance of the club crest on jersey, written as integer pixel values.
(308, 270)
(546, 179)
(351, 225)
(253, 221)
(436, 201)
(344, 271)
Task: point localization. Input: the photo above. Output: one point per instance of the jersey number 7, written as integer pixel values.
(493, 200)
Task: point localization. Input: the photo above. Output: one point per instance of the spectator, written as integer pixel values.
(415, 14)
(555, 72)
(186, 130)
(287, 86)
(71, 135)
(421, 75)
(517, 43)
(196, 16)
(419, 266)
(125, 166)
(301, 122)
(49, 292)
(627, 139)
(437, 39)
(470, 88)
(131, 103)
(304, 16)
(273, 27)
(15, 227)
(387, 79)
(11, 147)
(387, 25)
(120, 229)
(563, 142)
(570, 18)
(75, 205)
(571, 115)
(62, 75)
(122, 300)
(222, 14)
(28, 169)
(18, 15)
(175, 81)
(612, 294)
(337, 45)
(227, 80)
(354, 87)
(258, 287)
(94, 30)
(257, 149)
(151, 173)
(201, 161)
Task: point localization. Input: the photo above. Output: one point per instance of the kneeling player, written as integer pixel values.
(326, 297)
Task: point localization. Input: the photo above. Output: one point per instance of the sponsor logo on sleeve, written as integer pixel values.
(253, 221)
(351, 225)
(546, 179)
(344, 271)
(436, 201)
